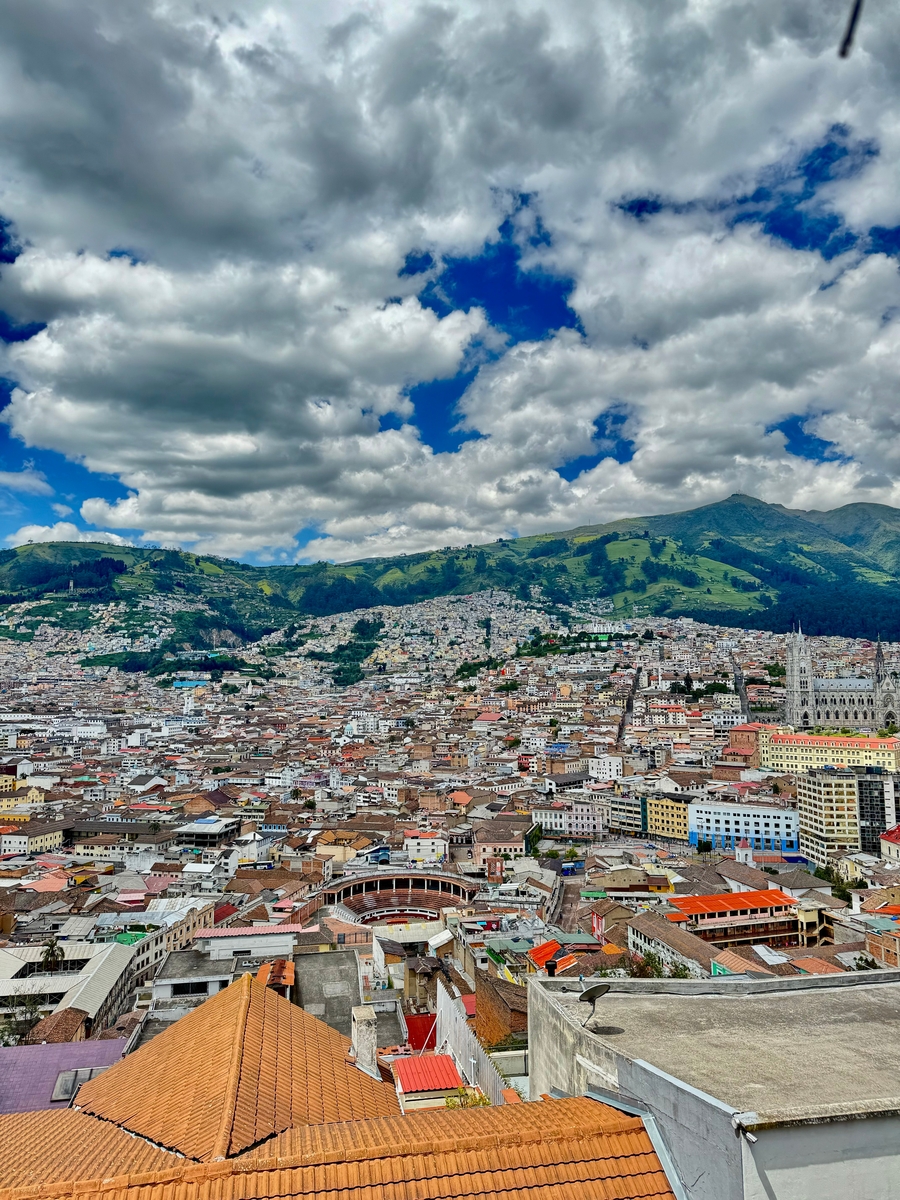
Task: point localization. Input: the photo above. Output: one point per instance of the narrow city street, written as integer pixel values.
(571, 901)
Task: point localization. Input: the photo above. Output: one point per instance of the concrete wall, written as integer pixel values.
(830, 1160)
(840, 1160)
(697, 1128)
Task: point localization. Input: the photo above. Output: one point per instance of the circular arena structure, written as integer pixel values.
(400, 894)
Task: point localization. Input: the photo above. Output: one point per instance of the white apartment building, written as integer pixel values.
(606, 766)
(828, 803)
(725, 823)
(425, 846)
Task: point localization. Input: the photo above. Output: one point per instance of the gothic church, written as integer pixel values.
(868, 704)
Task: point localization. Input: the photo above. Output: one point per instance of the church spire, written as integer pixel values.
(880, 672)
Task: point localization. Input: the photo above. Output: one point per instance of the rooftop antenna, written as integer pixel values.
(850, 31)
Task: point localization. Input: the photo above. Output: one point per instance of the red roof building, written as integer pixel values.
(426, 1081)
(732, 918)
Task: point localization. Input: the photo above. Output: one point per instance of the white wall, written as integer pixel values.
(841, 1160)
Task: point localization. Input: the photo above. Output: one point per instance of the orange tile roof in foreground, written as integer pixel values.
(245, 1065)
(554, 1150)
(38, 1148)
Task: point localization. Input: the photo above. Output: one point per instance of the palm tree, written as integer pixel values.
(53, 957)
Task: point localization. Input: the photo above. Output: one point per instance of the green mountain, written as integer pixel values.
(740, 562)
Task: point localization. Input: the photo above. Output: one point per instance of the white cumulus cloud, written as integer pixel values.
(215, 211)
(63, 531)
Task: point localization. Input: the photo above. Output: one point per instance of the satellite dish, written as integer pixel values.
(591, 994)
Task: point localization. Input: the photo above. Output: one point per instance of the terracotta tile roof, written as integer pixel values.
(555, 1150)
(62, 1026)
(241, 1067)
(44, 1147)
(816, 966)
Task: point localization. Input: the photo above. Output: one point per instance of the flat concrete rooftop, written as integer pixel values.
(783, 1054)
(189, 965)
(329, 986)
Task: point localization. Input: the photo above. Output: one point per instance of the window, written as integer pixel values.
(200, 988)
(68, 1082)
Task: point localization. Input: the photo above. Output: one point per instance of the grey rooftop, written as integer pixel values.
(784, 1053)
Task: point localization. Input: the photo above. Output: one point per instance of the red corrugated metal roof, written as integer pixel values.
(724, 902)
(541, 955)
(427, 1073)
(469, 1004)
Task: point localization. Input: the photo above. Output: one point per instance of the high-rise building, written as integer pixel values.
(828, 807)
(876, 792)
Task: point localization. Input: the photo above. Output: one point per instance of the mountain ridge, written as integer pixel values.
(739, 561)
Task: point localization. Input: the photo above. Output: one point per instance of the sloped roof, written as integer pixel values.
(241, 1067)
(554, 1150)
(426, 1073)
(43, 1147)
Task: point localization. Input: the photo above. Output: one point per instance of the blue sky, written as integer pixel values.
(397, 295)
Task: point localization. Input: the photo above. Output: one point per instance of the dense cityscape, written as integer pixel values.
(449, 639)
(508, 796)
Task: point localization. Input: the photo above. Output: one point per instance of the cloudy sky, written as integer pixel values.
(287, 281)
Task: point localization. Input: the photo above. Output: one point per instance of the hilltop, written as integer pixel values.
(740, 561)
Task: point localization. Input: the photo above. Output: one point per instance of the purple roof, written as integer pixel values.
(28, 1074)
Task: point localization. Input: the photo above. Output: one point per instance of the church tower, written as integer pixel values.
(799, 710)
(885, 700)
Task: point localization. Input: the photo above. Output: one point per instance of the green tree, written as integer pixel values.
(463, 1098)
(53, 956)
(645, 966)
(679, 971)
(22, 1014)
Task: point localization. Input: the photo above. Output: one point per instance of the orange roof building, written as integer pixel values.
(225, 1077)
(577, 1149)
(249, 1097)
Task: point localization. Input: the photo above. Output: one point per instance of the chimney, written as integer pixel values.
(363, 1039)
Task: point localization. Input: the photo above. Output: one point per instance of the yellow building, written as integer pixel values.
(798, 752)
(667, 816)
(7, 783)
(828, 810)
(33, 837)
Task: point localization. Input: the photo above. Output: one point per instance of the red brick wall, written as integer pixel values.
(494, 1020)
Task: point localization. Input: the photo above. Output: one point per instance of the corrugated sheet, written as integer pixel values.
(426, 1073)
